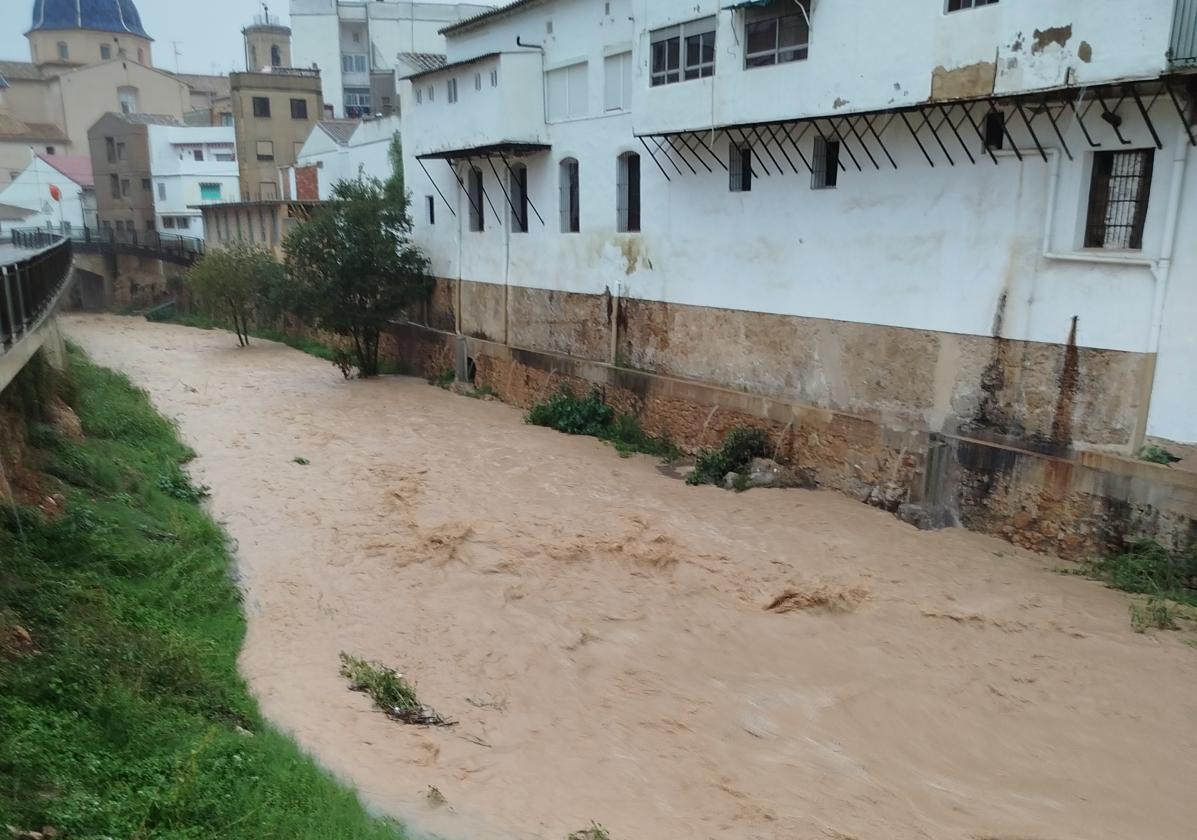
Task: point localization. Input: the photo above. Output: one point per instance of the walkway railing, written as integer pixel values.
(31, 284)
(171, 246)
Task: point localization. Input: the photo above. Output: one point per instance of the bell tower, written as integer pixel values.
(267, 42)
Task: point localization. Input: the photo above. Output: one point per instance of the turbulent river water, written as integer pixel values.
(600, 630)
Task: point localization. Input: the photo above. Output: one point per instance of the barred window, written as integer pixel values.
(1118, 193)
(826, 164)
(739, 168)
(474, 191)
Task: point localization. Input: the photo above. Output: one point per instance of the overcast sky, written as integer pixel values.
(207, 33)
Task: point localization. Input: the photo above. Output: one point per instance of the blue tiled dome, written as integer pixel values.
(104, 15)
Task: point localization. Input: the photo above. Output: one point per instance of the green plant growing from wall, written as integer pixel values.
(353, 267)
(589, 415)
(740, 446)
(1156, 455)
(238, 282)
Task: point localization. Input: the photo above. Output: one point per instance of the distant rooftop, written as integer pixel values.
(422, 62)
(147, 119)
(339, 130)
(75, 167)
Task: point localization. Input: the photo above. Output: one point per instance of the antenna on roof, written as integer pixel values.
(175, 44)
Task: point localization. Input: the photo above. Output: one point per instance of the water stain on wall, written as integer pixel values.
(1057, 35)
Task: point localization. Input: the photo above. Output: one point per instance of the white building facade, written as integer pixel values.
(53, 191)
(356, 45)
(340, 150)
(190, 166)
(950, 214)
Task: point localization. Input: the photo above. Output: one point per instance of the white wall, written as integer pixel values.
(366, 153)
(31, 189)
(177, 175)
(866, 56)
(960, 249)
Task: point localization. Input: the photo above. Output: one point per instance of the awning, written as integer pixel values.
(501, 150)
(944, 130)
(515, 148)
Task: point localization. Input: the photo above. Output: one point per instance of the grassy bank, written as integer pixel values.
(121, 711)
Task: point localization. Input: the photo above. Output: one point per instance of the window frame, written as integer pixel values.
(451, 90)
(1103, 174)
(627, 192)
(774, 16)
(825, 164)
(739, 167)
(105, 52)
(517, 188)
(476, 197)
(258, 150)
(260, 106)
(622, 61)
(302, 106)
(674, 41)
(569, 175)
(965, 5)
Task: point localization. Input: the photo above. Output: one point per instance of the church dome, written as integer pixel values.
(119, 16)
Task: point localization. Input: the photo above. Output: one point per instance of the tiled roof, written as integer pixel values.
(422, 62)
(75, 167)
(20, 71)
(102, 15)
(13, 129)
(454, 65)
(469, 22)
(339, 130)
(147, 119)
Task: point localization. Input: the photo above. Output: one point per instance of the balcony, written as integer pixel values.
(1182, 51)
(497, 103)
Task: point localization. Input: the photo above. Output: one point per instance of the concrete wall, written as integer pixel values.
(90, 92)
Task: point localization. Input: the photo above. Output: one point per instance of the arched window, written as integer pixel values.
(140, 56)
(63, 52)
(517, 188)
(627, 196)
(474, 192)
(276, 56)
(570, 196)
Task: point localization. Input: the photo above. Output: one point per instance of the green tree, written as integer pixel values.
(353, 266)
(236, 282)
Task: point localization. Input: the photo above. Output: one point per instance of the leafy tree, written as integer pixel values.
(353, 265)
(236, 282)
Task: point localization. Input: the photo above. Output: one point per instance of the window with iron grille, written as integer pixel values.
(685, 51)
(261, 106)
(776, 34)
(430, 206)
(1118, 193)
(958, 5)
(451, 90)
(739, 168)
(825, 164)
(628, 193)
(571, 221)
(995, 129)
(474, 191)
(517, 188)
(299, 109)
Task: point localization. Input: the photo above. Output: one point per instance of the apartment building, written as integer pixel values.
(273, 114)
(355, 45)
(152, 172)
(190, 166)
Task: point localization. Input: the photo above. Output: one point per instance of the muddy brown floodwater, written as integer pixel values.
(600, 630)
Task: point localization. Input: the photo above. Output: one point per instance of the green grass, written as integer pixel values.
(1168, 579)
(740, 446)
(589, 415)
(125, 717)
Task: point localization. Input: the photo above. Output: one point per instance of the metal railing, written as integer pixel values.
(185, 249)
(31, 284)
(1182, 51)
